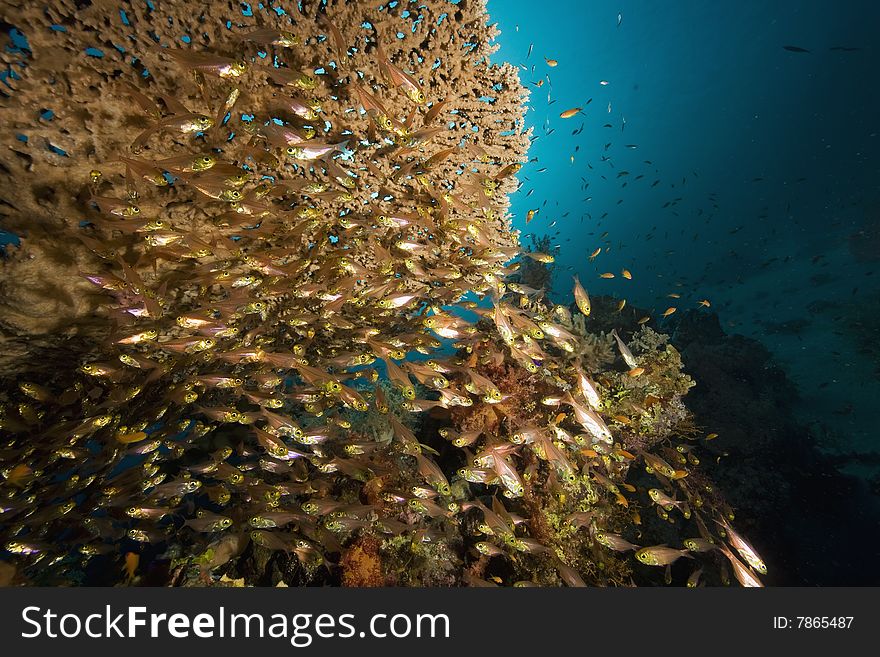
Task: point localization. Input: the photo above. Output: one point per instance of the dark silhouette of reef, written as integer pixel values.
(820, 525)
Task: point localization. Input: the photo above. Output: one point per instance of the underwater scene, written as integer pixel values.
(439, 293)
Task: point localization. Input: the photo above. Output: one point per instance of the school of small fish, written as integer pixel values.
(226, 407)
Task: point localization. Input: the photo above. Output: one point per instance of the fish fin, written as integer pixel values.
(143, 138)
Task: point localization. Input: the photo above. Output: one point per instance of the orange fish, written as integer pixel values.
(674, 295)
(669, 311)
(18, 474)
(621, 305)
(132, 559)
(595, 253)
(622, 500)
(644, 320)
(607, 274)
(567, 114)
(626, 274)
(531, 215)
(705, 303)
(551, 62)
(636, 371)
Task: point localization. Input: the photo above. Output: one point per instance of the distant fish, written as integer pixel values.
(795, 49)
(619, 19)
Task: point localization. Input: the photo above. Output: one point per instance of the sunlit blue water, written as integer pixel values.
(768, 160)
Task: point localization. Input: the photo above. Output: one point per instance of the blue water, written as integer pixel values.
(773, 156)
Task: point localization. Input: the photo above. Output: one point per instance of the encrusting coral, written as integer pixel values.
(241, 286)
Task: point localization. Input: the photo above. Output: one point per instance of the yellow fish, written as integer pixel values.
(581, 298)
(128, 438)
(567, 114)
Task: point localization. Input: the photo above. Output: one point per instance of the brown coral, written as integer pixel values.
(95, 120)
(361, 564)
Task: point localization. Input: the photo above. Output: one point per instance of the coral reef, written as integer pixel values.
(87, 118)
(237, 322)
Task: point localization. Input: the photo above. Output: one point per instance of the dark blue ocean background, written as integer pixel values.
(767, 205)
